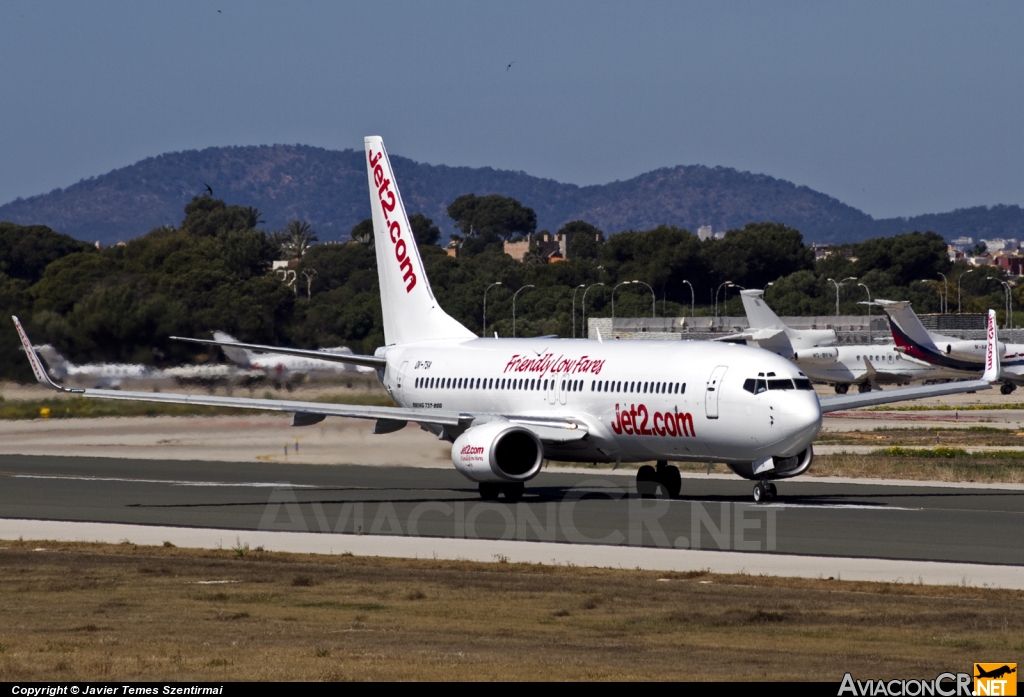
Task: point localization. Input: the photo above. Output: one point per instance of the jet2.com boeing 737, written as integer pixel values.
(507, 404)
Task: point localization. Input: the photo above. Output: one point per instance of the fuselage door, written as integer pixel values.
(401, 374)
(712, 392)
(563, 388)
(551, 389)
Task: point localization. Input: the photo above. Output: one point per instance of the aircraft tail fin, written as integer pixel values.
(992, 367)
(58, 365)
(411, 312)
(238, 356)
(907, 329)
(759, 315)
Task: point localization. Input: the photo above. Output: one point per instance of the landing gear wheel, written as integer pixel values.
(760, 493)
(646, 481)
(1007, 388)
(671, 480)
(513, 492)
(489, 491)
(864, 387)
(842, 389)
(764, 491)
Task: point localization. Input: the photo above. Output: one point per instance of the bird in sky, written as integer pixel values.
(509, 66)
(209, 189)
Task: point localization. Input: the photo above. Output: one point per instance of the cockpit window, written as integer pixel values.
(755, 386)
(803, 384)
(777, 384)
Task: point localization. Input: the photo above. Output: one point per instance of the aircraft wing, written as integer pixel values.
(306, 413)
(869, 399)
(350, 358)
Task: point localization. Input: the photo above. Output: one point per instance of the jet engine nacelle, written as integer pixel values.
(816, 355)
(968, 350)
(498, 451)
(782, 467)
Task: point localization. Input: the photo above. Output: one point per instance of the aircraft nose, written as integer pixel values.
(801, 416)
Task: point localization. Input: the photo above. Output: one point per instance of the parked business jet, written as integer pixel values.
(814, 351)
(285, 369)
(948, 352)
(768, 331)
(507, 404)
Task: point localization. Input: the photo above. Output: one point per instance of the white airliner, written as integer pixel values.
(768, 331)
(99, 374)
(282, 368)
(507, 404)
(949, 352)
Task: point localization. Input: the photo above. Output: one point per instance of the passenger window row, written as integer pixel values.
(535, 384)
(637, 387)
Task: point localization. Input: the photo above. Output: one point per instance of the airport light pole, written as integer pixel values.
(652, 296)
(1009, 307)
(496, 283)
(584, 303)
(726, 283)
(850, 278)
(615, 288)
(870, 335)
(958, 288)
(574, 291)
(945, 294)
(514, 308)
(693, 297)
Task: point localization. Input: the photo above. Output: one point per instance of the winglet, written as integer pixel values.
(992, 368)
(35, 362)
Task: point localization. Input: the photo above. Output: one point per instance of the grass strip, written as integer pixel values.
(75, 612)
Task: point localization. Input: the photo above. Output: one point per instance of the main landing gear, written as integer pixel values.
(864, 387)
(1007, 388)
(513, 491)
(665, 477)
(842, 388)
(764, 491)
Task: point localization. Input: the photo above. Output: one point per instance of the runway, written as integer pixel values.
(972, 525)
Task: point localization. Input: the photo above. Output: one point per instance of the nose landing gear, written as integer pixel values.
(665, 477)
(764, 491)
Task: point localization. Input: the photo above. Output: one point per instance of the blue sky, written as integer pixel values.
(895, 108)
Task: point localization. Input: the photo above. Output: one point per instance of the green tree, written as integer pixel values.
(424, 230)
(584, 239)
(299, 236)
(362, 232)
(486, 221)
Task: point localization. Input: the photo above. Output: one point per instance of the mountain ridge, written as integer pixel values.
(327, 188)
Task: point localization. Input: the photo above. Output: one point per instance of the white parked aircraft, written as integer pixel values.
(869, 367)
(99, 374)
(768, 331)
(282, 368)
(949, 352)
(814, 351)
(506, 404)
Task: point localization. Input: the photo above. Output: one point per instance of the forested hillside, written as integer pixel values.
(327, 188)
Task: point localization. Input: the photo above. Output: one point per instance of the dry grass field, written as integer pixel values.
(106, 612)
